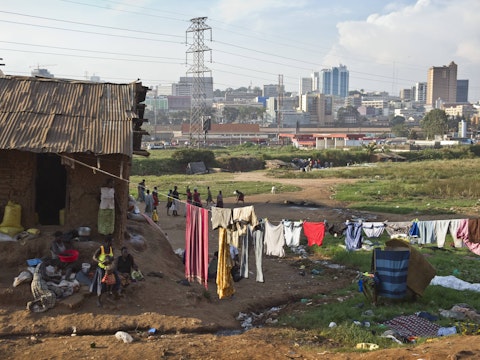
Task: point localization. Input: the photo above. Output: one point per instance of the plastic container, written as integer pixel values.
(68, 256)
(85, 268)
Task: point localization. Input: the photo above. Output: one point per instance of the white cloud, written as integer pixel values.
(427, 33)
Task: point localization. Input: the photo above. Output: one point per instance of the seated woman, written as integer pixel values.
(125, 266)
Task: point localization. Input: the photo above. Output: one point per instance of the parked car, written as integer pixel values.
(157, 146)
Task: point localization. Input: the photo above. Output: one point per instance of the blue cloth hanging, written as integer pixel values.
(353, 236)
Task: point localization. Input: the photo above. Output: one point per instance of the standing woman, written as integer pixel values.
(103, 257)
(148, 203)
(155, 197)
(220, 199)
(196, 198)
(176, 197)
(169, 201)
(189, 196)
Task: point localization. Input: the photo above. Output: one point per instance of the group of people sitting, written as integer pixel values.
(111, 274)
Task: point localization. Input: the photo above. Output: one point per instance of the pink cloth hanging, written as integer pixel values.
(196, 244)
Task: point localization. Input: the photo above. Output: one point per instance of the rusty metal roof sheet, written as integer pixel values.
(66, 116)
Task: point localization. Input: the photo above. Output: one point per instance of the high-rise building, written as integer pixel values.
(305, 86)
(270, 90)
(320, 108)
(420, 92)
(442, 84)
(316, 81)
(406, 94)
(185, 85)
(335, 81)
(462, 91)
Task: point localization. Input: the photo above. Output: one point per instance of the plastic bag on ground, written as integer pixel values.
(125, 337)
(24, 276)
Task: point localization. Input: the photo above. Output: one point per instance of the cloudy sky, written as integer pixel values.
(385, 45)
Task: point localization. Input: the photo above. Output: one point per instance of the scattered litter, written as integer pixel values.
(24, 276)
(332, 324)
(393, 338)
(331, 266)
(183, 282)
(33, 262)
(125, 337)
(367, 346)
(445, 331)
(155, 274)
(249, 321)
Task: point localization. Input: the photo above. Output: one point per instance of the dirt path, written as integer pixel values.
(188, 318)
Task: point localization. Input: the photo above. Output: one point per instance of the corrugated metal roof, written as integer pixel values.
(66, 116)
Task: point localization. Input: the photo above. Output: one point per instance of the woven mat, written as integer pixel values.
(412, 325)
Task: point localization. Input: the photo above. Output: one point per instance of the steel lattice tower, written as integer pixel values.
(198, 69)
(280, 105)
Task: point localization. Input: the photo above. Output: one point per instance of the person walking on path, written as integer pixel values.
(209, 197)
(240, 196)
(141, 190)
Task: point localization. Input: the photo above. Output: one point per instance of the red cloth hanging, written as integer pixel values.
(315, 232)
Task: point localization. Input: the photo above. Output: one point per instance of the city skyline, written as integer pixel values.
(385, 46)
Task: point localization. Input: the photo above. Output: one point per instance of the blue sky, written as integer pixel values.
(386, 46)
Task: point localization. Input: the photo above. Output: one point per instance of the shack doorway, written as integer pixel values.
(51, 188)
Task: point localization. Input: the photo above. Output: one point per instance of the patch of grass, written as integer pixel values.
(354, 306)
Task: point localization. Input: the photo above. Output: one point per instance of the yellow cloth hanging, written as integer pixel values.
(225, 287)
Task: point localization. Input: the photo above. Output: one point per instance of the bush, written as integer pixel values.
(240, 163)
(185, 156)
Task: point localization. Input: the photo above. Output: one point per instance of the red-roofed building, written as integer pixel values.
(228, 134)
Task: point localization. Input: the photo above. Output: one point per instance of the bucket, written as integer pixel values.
(85, 268)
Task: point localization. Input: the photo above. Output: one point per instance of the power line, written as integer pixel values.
(87, 24)
(225, 43)
(125, 11)
(86, 50)
(366, 76)
(89, 32)
(93, 57)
